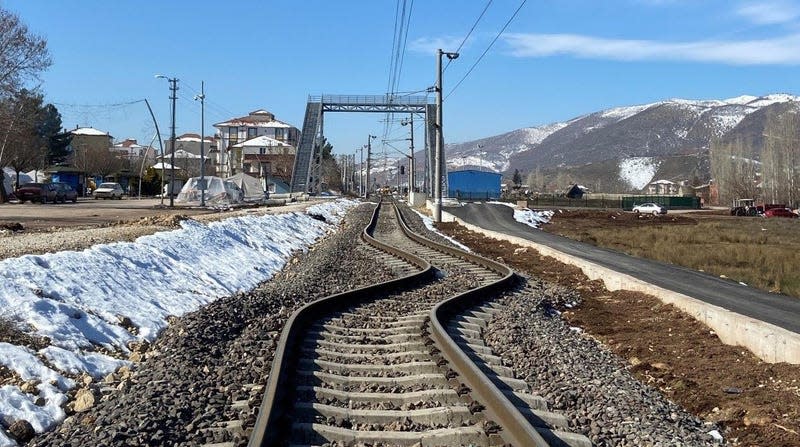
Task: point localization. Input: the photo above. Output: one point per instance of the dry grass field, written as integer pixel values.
(760, 252)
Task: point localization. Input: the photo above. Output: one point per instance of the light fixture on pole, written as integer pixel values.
(480, 154)
(173, 87)
(202, 98)
(439, 161)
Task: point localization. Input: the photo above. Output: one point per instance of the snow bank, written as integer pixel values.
(80, 299)
(428, 221)
(527, 216)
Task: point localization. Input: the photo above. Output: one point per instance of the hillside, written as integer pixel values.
(622, 149)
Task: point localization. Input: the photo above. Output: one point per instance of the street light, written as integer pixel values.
(480, 155)
(173, 87)
(437, 187)
(202, 98)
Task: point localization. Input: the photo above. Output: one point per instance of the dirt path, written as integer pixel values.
(757, 403)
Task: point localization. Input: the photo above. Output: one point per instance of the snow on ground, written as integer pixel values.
(637, 171)
(79, 299)
(528, 216)
(537, 134)
(428, 221)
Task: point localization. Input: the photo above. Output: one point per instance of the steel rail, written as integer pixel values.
(271, 425)
(516, 428)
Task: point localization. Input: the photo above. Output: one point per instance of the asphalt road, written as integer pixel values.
(780, 310)
(87, 212)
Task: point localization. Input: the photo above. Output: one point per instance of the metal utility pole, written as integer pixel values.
(480, 154)
(173, 87)
(412, 183)
(202, 98)
(437, 187)
(369, 159)
(361, 171)
(160, 145)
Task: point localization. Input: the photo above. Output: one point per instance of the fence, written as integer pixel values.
(612, 201)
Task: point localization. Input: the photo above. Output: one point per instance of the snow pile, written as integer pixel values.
(79, 300)
(428, 221)
(638, 171)
(528, 216)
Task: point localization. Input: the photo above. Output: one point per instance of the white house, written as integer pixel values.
(238, 130)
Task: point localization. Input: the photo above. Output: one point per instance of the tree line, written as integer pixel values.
(740, 172)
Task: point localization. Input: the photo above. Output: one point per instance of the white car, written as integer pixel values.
(649, 208)
(108, 191)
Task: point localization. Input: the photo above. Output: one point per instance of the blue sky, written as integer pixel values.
(558, 59)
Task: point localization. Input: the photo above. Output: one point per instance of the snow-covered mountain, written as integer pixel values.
(666, 139)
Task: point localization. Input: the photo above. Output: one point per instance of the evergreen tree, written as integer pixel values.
(517, 179)
(49, 128)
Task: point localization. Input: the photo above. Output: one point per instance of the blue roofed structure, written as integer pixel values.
(473, 185)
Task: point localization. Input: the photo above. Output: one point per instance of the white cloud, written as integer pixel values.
(769, 12)
(429, 45)
(775, 51)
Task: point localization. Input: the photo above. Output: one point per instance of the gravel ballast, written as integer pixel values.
(581, 379)
(183, 393)
(186, 387)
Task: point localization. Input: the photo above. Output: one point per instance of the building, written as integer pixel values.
(664, 188)
(265, 157)
(188, 146)
(130, 149)
(471, 184)
(89, 138)
(238, 130)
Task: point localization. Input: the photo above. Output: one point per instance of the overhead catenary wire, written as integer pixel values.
(502, 30)
(463, 41)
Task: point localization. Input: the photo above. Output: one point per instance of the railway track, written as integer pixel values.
(403, 363)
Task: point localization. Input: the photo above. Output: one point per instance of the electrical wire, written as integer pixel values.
(469, 33)
(487, 48)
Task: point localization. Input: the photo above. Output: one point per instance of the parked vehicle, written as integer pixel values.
(108, 191)
(745, 207)
(650, 208)
(36, 192)
(780, 212)
(65, 192)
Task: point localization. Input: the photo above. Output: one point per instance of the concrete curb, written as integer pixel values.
(770, 343)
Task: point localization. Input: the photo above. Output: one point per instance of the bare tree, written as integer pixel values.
(780, 157)
(22, 55)
(24, 148)
(735, 171)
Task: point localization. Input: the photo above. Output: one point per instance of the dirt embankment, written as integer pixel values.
(757, 403)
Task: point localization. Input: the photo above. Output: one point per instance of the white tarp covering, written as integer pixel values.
(217, 192)
(10, 179)
(250, 186)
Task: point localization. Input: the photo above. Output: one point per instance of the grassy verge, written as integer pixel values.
(763, 253)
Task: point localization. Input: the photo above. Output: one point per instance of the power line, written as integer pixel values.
(469, 33)
(487, 48)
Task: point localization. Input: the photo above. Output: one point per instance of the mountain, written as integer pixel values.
(624, 148)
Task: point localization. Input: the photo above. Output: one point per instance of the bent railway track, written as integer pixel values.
(402, 363)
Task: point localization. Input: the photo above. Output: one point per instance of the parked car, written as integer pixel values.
(649, 208)
(108, 191)
(779, 212)
(65, 192)
(36, 192)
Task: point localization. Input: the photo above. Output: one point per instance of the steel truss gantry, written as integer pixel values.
(308, 159)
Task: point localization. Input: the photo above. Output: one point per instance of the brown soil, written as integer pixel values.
(757, 404)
